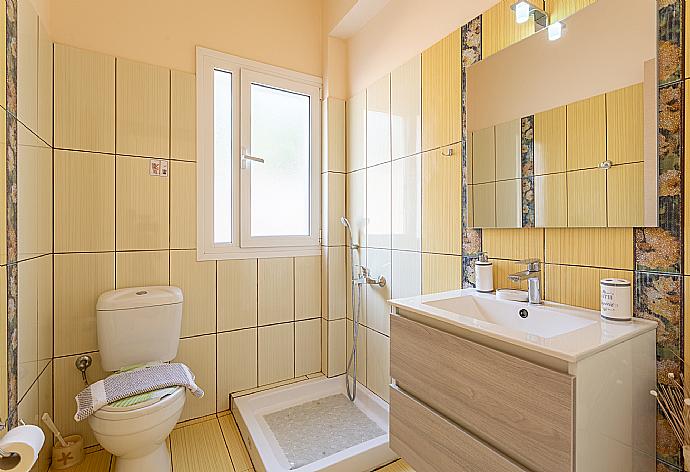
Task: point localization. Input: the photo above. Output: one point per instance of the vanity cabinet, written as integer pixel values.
(461, 404)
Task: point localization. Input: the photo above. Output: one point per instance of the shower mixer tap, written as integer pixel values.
(370, 280)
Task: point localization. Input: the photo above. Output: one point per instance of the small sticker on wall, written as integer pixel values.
(158, 168)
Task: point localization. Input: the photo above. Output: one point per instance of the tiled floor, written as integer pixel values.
(209, 444)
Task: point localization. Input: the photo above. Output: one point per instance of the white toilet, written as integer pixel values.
(137, 326)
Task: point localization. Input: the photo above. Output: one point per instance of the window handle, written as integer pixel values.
(246, 157)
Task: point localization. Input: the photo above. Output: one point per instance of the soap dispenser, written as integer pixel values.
(484, 274)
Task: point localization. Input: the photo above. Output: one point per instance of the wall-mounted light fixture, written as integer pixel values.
(555, 30)
(524, 9)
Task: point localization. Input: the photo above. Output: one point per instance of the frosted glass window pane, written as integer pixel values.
(280, 187)
(222, 156)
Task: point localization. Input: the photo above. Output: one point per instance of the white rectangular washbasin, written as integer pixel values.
(561, 331)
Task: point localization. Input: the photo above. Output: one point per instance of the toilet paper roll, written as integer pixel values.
(25, 441)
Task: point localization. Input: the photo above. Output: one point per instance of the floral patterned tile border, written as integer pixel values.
(670, 47)
(471, 52)
(527, 170)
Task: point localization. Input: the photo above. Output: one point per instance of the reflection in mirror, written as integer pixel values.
(572, 142)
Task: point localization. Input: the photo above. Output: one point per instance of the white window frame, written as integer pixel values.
(244, 72)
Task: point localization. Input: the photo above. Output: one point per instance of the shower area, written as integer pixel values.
(332, 424)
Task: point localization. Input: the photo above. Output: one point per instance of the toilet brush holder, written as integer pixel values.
(68, 456)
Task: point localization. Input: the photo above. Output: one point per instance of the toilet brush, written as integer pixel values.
(51, 426)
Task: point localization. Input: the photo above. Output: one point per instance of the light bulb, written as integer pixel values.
(522, 12)
(555, 31)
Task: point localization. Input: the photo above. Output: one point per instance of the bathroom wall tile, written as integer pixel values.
(356, 132)
(625, 195)
(237, 294)
(84, 207)
(324, 346)
(378, 363)
(509, 204)
(197, 279)
(442, 201)
(45, 405)
(79, 280)
(551, 200)
(527, 172)
(361, 350)
(586, 198)
(307, 287)
(142, 268)
(502, 269)
(199, 354)
(670, 41)
(307, 347)
(516, 244)
(141, 206)
(27, 64)
(406, 190)
(334, 209)
(406, 274)
(484, 197)
(378, 310)
(3, 183)
(334, 158)
(276, 353)
(27, 326)
(625, 125)
(45, 85)
(549, 141)
(335, 282)
(4, 389)
(45, 307)
(182, 116)
(356, 206)
(360, 259)
(406, 108)
(379, 121)
(34, 196)
(27, 409)
(597, 247)
(578, 286)
(276, 291)
(379, 206)
(484, 155)
(143, 109)
(508, 150)
(441, 273)
(69, 385)
(500, 29)
(237, 364)
(182, 205)
(84, 104)
(337, 340)
(586, 133)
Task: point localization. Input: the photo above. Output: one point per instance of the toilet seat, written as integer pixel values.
(148, 407)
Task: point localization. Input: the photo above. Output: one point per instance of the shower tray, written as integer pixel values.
(311, 426)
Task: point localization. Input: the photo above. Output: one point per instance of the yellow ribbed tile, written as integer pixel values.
(406, 108)
(142, 268)
(509, 203)
(499, 29)
(484, 155)
(578, 286)
(441, 201)
(516, 244)
(509, 150)
(26, 45)
(586, 132)
(307, 346)
(200, 447)
(79, 280)
(84, 205)
(237, 364)
(625, 195)
(441, 273)
(502, 269)
(84, 109)
(237, 294)
(276, 353)
(197, 279)
(141, 206)
(441, 93)
(686, 326)
(549, 141)
(307, 287)
(586, 198)
(45, 85)
(182, 205)
(483, 205)
(361, 349)
(561, 9)
(595, 247)
(94, 462)
(199, 354)
(143, 109)
(551, 201)
(378, 363)
(182, 116)
(276, 290)
(233, 439)
(625, 125)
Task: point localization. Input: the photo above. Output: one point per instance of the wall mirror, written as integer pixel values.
(569, 137)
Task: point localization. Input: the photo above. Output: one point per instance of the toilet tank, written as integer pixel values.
(138, 325)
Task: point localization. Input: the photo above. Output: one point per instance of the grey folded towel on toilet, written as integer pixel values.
(134, 382)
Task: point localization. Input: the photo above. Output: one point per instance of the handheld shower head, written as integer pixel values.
(344, 221)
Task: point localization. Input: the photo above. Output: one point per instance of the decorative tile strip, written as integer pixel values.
(527, 171)
(670, 46)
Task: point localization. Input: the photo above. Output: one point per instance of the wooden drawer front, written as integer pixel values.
(523, 410)
(429, 442)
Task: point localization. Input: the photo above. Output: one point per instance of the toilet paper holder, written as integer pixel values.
(4, 454)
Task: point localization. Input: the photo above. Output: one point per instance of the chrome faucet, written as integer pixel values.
(533, 276)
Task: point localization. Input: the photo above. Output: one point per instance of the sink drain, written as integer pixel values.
(524, 313)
